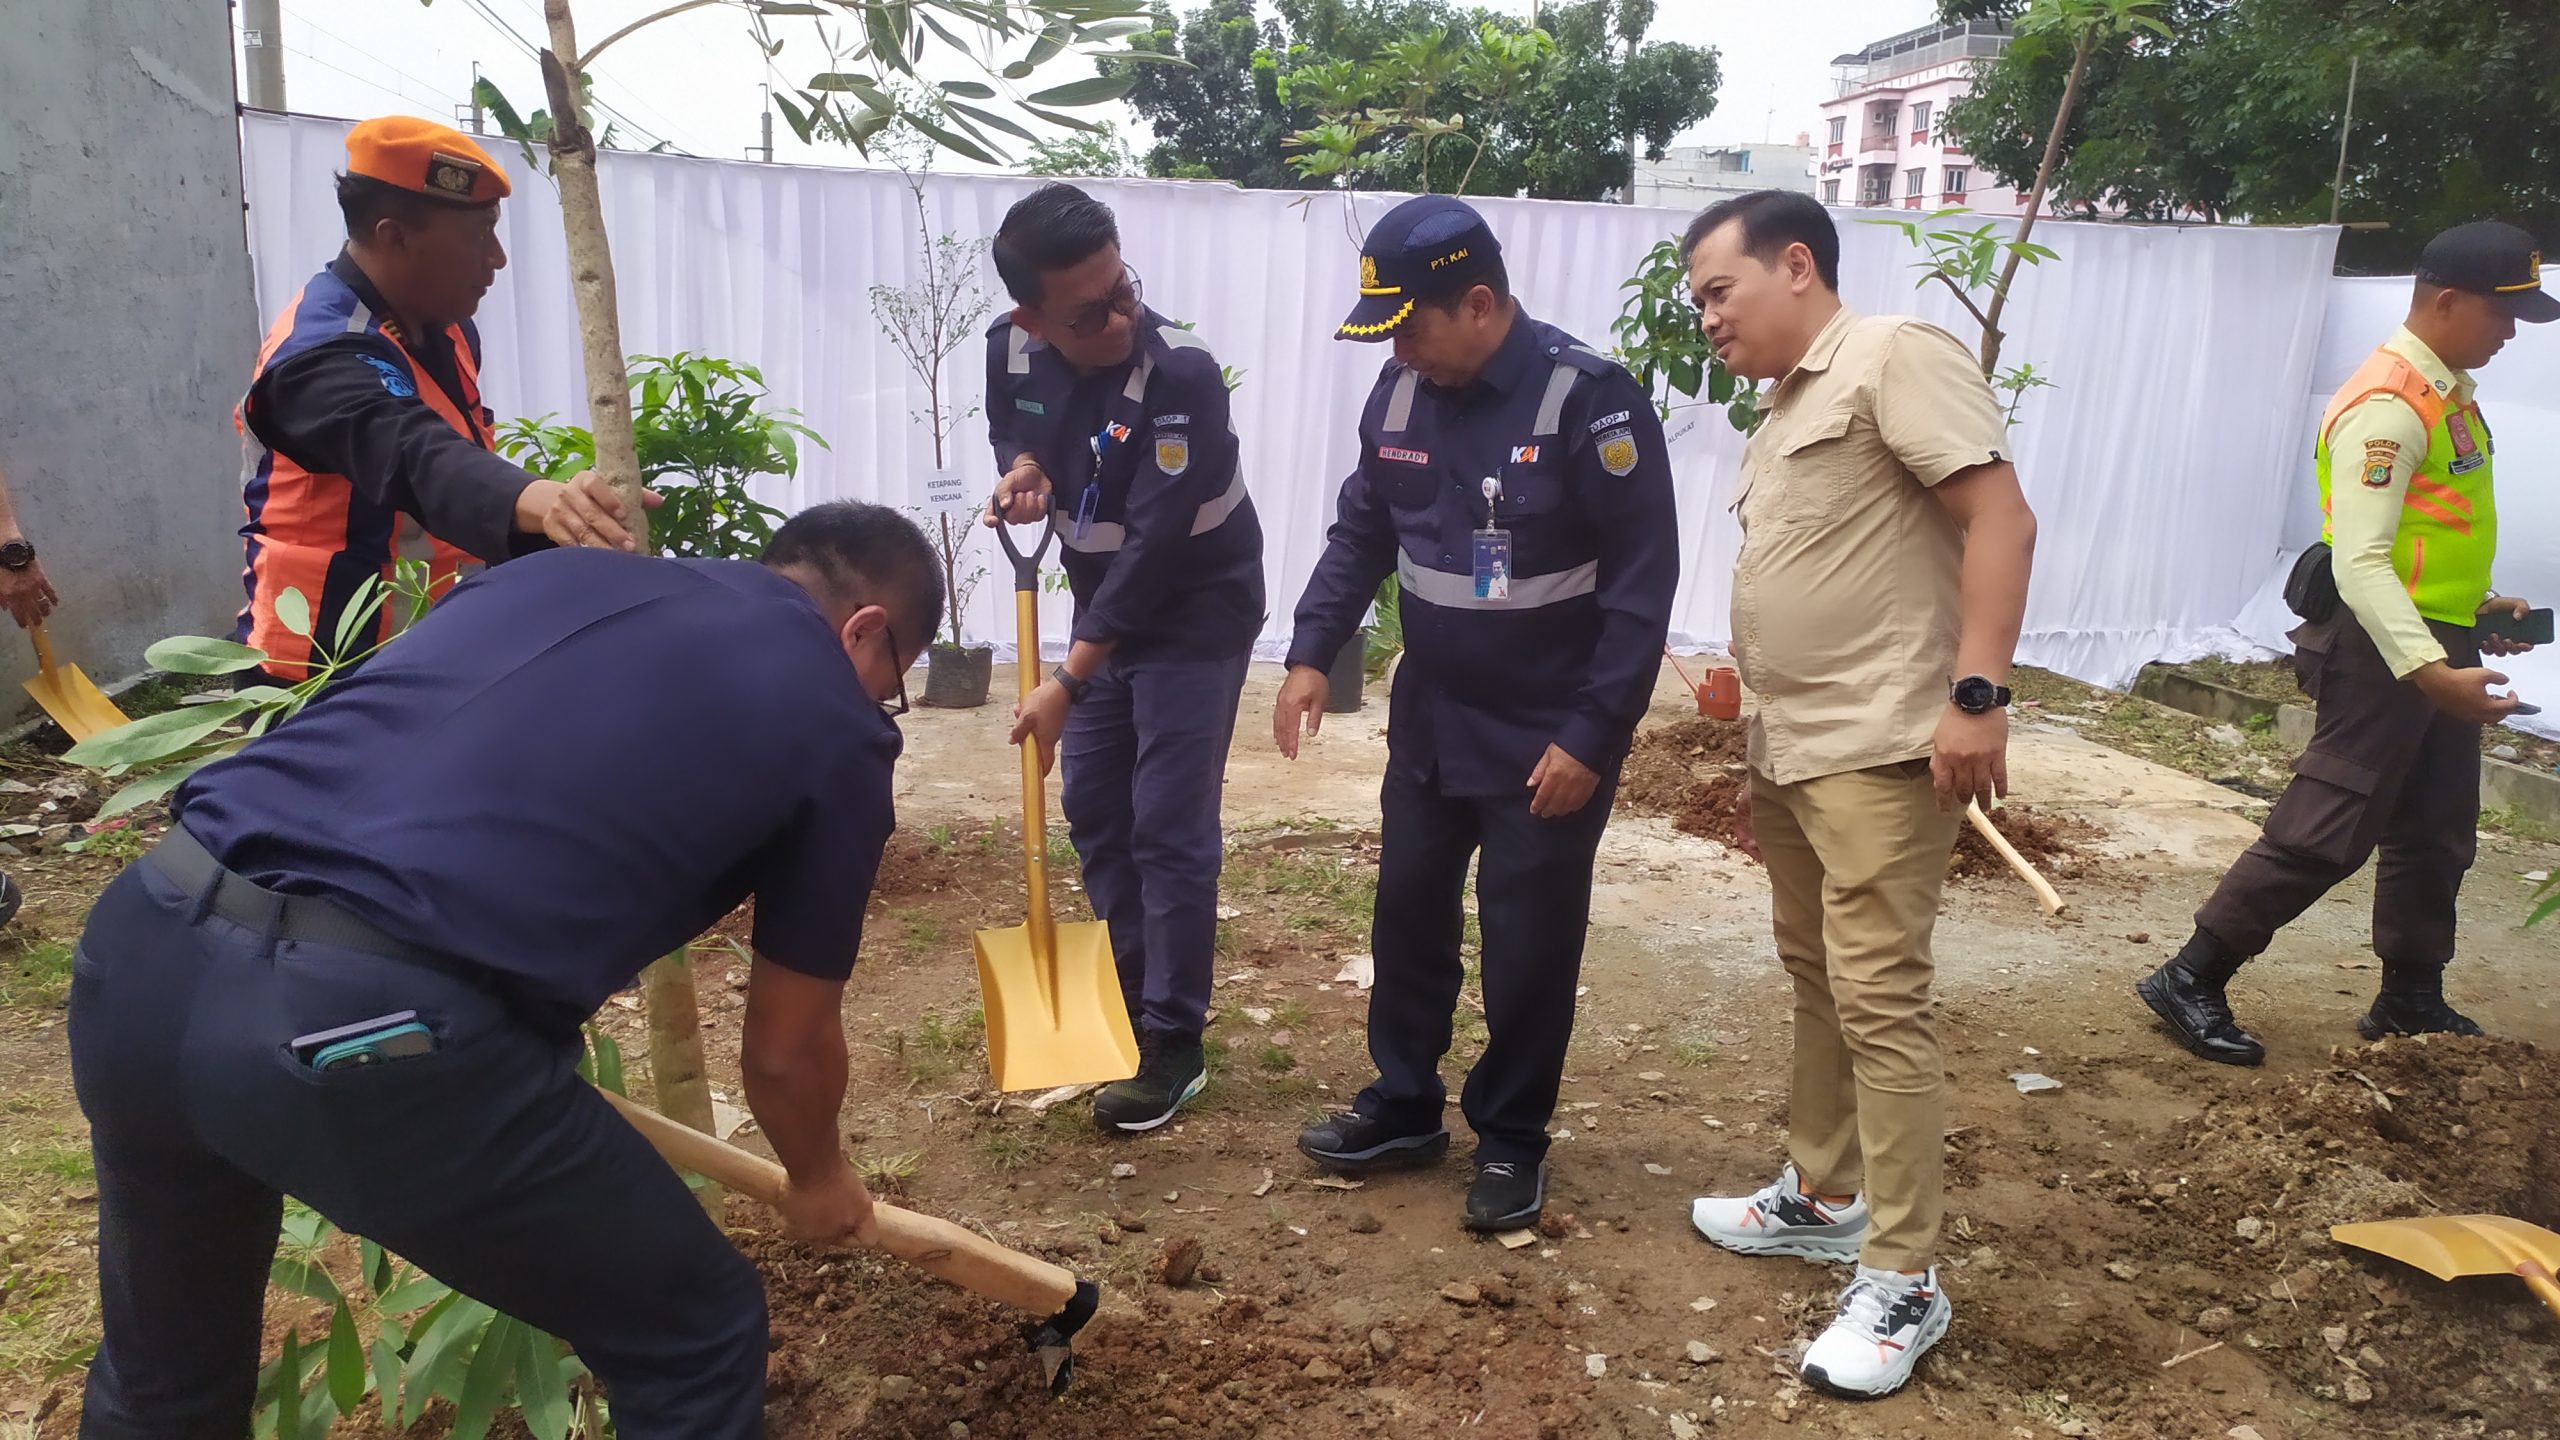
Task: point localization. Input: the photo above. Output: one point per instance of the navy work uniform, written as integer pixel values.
(1164, 555)
(1556, 453)
(515, 880)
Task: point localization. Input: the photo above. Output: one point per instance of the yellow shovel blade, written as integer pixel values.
(1083, 1038)
(2447, 1246)
(75, 703)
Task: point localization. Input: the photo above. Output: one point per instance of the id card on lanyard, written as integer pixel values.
(1492, 550)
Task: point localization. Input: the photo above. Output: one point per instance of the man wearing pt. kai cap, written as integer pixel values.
(1515, 484)
(363, 435)
(2397, 612)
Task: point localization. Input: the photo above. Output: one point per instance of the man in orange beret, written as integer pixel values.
(363, 431)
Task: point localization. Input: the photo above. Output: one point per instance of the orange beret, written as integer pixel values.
(431, 159)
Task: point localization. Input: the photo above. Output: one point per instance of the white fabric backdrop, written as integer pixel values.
(2163, 489)
(2520, 393)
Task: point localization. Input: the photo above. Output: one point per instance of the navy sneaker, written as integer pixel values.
(1171, 1072)
(1506, 1196)
(1358, 1144)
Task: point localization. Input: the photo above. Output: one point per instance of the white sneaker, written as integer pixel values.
(1887, 1321)
(1780, 1219)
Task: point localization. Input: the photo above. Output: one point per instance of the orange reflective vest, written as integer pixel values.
(314, 531)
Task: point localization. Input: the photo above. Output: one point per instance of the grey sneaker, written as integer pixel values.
(1780, 1219)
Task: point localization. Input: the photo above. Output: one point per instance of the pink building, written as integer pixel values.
(1881, 144)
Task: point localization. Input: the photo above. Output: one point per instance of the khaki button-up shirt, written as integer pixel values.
(2364, 518)
(1845, 610)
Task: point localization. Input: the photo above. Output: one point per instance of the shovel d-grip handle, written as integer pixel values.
(952, 1252)
(1026, 568)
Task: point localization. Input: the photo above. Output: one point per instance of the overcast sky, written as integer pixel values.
(693, 79)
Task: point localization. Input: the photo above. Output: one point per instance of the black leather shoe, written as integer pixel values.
(1358, 1144)
(10, 896)
(1506, 1196)
(2415, 1012)
(2187, 995)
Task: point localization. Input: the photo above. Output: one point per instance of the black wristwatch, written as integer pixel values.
(1074, 687)
(16, 555)
(1975, 695)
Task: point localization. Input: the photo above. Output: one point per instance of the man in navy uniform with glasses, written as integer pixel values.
(1516, 485)
(1112, 423)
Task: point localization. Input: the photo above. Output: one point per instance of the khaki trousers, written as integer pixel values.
(1856, 863)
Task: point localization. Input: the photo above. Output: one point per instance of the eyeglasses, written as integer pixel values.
(1094, 318)
(894, 709)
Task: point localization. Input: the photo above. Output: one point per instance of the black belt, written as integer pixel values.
(184, 861)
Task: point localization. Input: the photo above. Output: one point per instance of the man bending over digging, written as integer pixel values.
(368, 996)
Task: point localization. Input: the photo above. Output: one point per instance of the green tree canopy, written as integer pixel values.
(2236, 116)
(1553, 125)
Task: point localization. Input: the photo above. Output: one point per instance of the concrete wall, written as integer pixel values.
(126, 322)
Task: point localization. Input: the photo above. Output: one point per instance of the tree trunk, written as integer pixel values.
(1991, 336)
(675, 1015)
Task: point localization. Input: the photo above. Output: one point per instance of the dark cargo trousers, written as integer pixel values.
(2386, 770)
(487, 1162)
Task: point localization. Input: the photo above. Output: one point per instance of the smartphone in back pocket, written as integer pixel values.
(384, 1038)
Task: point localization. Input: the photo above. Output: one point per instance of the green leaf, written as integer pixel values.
(361, 607)
(346, 1361)
(294, 610)
(990, 118)
(77, 1359)
(386, 1371)
(413, 1294)
(542, 1386)
(951, 140)
(157, 737)
(1100, 90)
(375, 1264)
(780, 7)
(484, 1388)
(287, 1396)
(291, 1272)
(1113, 30)
(1051, 41)
(445, 1339)
(157, 785)
(1019, 70)
(1062, 119)
(969, 89)
(794, 116)
(202, 655)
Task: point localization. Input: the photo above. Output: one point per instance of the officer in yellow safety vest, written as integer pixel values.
(2398, 611)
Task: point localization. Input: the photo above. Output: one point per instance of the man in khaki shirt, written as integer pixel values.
(1876, 603)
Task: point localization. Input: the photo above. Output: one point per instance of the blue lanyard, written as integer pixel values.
(1093, 484)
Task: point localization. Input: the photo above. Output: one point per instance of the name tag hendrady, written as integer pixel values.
(1409, 457)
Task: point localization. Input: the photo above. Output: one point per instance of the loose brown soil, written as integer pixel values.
(2055, 843)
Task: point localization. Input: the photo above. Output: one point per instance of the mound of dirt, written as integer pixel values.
(2437, 1125)
(1690, 771)
(2054, 844)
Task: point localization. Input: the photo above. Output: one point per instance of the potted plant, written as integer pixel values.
(928, 321)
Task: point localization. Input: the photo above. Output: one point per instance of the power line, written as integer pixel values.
(666, 127)
(507, 29)
(307, 22)
(367, 80)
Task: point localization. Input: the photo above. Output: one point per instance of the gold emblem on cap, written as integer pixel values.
(451, 174)
(1368, 271)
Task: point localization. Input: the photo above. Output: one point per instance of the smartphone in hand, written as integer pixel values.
(2533, 627)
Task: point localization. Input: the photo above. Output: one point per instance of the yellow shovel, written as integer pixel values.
(1052, 992)
(75, 703)
(2448, 1246)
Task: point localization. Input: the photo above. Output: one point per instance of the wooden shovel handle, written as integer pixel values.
(1991, 834)
(2538, 1278)
(44, 650)
(951, 1252)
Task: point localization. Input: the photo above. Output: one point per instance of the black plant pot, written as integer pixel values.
(956, 676)
(1350, 671)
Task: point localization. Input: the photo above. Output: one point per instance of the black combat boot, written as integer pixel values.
(2187, 995)
(2412, 1003)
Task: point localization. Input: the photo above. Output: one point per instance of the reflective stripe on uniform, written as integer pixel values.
(1101, 537)
(1139, 373)
(1528, 592)
(1551, 409)
(1017, 350)
(1400, 403)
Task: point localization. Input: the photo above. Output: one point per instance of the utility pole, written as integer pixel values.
(479, 113)
(2338, 187)
(262, 48)
(766, 121)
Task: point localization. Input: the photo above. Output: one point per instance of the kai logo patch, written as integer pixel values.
(1116, 430)
(1524, 454)
(1618, 452)
(451, 174)
(1173, 453)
